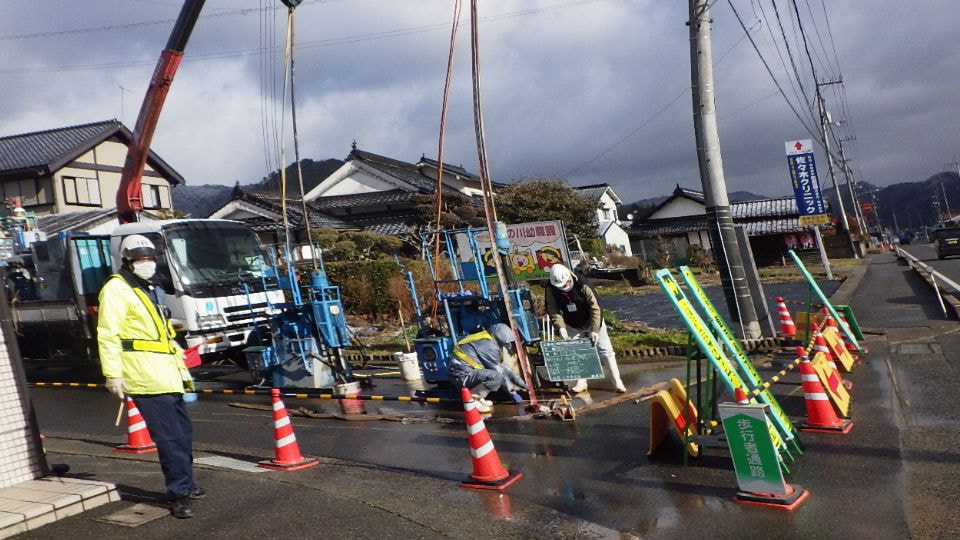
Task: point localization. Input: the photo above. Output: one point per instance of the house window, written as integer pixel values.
(156, 197)
(32, 191)
(81, 191)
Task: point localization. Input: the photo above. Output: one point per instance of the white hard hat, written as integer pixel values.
(137, 246)
(559, 275)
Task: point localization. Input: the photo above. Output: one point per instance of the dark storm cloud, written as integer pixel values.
(564, 81)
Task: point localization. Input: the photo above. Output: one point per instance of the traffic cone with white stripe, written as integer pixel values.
(488, 471)
(740, 396)
(820, 346)
(820, 414)
(787, 328)
(287, 453)
(138, 438)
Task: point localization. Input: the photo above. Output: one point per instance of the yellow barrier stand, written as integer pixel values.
(839, 396)
(667, 408)
(840, 353)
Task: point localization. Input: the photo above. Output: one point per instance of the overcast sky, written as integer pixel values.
(587, 90)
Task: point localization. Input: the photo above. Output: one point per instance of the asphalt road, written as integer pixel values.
(949, 267)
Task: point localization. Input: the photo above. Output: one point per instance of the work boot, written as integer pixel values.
(181, 508)
(581, 386)
(197, 493)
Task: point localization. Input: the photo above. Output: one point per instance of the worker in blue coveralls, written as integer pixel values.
(140, 358)
(477, 364)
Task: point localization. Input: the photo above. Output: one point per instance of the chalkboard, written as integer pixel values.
(571, 359)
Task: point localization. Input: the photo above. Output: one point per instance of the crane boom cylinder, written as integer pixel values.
(129, 195)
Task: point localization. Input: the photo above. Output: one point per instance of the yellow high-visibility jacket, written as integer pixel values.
(137, 342)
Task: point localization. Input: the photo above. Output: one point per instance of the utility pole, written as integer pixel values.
(854, 200)
(726, 249)
(833, 176)
(896, 227)
(957, 165)
(936, 206)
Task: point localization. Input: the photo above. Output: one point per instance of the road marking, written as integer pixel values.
(229, 463)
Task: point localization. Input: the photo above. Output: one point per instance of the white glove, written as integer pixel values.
(563, 333)
(594, 337)
(115, 386)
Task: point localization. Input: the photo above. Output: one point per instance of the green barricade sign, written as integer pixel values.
(754, 454)
(571, 359)
(823, 299)
(750, 374)
(705, 340)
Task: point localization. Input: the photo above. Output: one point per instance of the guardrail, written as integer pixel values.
(947, 290)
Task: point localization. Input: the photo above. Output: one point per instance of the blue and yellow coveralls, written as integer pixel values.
(137, 343)
(476, 361)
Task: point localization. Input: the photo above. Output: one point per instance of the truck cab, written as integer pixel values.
(218, 282)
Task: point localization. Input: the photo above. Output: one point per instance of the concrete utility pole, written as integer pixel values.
(833, 176)
(944, 189)
(854, 200)
(726, 249)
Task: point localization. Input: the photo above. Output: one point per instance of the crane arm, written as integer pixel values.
(129, 194)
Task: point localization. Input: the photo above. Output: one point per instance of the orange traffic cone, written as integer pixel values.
(138, 438)
(488, 471)
(287, 453)
(820, 345)
(787, 328)
(820, 414)
(740, 396)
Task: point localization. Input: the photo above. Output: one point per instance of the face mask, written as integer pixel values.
(567, 286)
(145, 269)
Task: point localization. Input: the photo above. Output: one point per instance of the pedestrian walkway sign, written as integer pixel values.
(806, 183)
(753, 451)
(749, 372)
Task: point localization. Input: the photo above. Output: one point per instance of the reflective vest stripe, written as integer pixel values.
(163, 328)
(470, 339)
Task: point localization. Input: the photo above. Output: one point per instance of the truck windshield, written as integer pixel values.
(213, 252)
(944, 234)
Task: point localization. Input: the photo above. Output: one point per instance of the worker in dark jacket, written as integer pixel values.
(575, 312)
(476, 364)
(139, 358)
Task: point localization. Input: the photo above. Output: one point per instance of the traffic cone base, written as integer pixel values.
(842, 428)
(789, 502)
(127, 449)
(138, 438)
(471, 482)
(304, 463)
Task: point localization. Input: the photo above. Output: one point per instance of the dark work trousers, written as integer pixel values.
(170, 428)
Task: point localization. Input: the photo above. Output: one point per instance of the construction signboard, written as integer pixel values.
(749, 373)
(534, 248)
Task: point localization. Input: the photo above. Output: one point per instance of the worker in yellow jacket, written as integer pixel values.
(140, 359)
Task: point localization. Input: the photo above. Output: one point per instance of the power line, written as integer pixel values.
(344, 40)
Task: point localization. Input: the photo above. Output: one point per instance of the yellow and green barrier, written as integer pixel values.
(749, 373)
(709, 346)
(851, 338)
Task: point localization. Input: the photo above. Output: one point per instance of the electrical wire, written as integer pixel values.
(440, 140)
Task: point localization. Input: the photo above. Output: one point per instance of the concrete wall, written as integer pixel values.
(679, 207)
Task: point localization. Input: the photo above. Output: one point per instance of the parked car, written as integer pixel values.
(947, 242)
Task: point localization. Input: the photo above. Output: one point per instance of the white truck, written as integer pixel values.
(214, 274)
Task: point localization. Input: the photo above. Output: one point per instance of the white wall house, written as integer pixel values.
(608, 220)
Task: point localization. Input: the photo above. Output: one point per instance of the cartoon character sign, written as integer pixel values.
(548, 256)
(522, 261)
